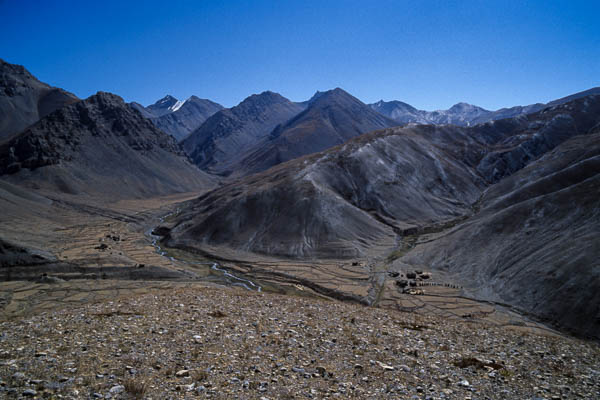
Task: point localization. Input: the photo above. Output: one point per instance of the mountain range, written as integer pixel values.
(220, 141)
(330, 118)
(463, 114)
(503, 202)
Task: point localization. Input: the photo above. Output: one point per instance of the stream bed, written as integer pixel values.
(222, 275)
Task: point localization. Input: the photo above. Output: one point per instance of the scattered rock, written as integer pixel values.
(18, 376)
(117, 389)
(375, 353)
(385, 366)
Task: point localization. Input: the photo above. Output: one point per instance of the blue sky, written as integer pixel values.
(430, 54)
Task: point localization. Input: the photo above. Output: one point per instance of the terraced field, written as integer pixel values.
(105, 251)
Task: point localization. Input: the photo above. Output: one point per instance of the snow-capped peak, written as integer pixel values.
(177, 105)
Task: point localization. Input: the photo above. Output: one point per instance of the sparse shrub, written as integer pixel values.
(135, 387)
(374, 340)
(506, 373)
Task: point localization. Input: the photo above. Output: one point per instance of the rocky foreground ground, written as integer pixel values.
(229, 343)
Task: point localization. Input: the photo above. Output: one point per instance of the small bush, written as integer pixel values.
(135, 387)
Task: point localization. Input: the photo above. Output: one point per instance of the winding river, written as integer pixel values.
(226, 276)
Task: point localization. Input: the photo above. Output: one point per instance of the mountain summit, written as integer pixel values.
(163, 106)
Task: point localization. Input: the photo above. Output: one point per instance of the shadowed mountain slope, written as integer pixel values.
(535, 243)
(218, 143)
(24, 99)
(333, 204)
(143, 110)
(332, 118)
(99, 146)
(402, 180)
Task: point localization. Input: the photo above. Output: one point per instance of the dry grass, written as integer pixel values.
(136, 387)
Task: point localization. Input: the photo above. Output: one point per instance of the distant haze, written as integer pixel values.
(430, 54)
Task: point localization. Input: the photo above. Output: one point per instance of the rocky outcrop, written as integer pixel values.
(24, 99)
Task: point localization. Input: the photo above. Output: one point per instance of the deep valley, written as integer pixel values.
(324, 248)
